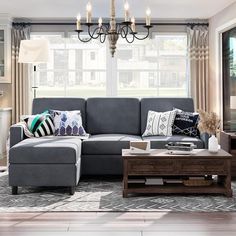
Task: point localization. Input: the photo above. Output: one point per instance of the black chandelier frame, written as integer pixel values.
(123, 29)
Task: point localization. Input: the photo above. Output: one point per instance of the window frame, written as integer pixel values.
(111, 64)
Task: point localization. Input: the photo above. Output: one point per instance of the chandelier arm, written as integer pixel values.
(131, 41)
(91, 35)
(102, 38)
(145, 37)
(102, 34)
(123, 31)
(105, 28)
(82, 40)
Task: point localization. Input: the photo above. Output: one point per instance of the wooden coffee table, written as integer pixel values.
(159, 163)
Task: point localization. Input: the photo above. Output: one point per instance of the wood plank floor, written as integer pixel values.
(116, 224)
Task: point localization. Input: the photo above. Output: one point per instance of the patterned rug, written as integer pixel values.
(105, 195)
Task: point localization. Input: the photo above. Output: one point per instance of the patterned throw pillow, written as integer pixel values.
(40, 125)
(160, 123)
(69, 123)
(186, 123)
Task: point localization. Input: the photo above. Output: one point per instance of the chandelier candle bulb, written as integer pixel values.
(126, 7)
(100, 22)
(89, 12)
(148, 17)
(78, 25)
(133, 24)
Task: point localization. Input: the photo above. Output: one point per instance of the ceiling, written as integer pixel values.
(165, 9)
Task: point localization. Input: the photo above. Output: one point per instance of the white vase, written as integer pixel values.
(213, 144)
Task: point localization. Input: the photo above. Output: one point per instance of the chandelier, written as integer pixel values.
(113, 30)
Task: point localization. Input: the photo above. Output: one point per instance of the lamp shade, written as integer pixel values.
(34, 51)
(232, 102)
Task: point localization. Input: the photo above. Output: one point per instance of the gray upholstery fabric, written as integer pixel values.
(16, 135)
(107, 143)
(161, 105)
(113, 116)
(161, 141)
(63, 104)
(44, 174)
(46, 149)
(101, 165)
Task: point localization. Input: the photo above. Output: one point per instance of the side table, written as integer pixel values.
(228, 143)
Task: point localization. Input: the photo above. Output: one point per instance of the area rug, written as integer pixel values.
(99, 195)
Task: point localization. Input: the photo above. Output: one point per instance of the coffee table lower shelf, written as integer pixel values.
(215, 188)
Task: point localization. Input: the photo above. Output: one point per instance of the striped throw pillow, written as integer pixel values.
(40, 125)
(160, 123)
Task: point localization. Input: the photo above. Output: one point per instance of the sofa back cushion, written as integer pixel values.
(162, 105)
(113, 116)
(62, 104)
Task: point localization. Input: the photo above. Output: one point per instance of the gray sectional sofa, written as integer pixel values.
(111, 123)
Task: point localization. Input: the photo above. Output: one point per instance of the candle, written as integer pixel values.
(148, 17)
(126, 7)
(100, 22)
(78, 22)
(89, 13)
(133, 24)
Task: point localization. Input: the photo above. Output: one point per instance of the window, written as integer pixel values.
(92, 56)
(152, 67)
(156, 67)
(73, 70)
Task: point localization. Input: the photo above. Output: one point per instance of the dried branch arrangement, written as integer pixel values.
(209, 122)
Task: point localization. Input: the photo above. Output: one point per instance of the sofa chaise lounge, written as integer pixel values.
(111, 122)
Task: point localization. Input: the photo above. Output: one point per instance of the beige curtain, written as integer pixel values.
(198, 48)
(20, 81)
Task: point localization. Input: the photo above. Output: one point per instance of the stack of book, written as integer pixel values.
(180, 148)
(154, 181)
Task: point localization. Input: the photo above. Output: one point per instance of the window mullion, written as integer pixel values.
(111, 72)
(114, 76)
(108, 72)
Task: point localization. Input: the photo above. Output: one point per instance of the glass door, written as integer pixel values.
(229, 80)
(2, 53)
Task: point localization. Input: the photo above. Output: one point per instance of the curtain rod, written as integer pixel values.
(68, 23)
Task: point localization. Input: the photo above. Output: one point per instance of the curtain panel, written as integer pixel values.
(198, 52)
(20, 81)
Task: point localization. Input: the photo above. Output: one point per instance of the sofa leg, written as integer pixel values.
(72, 190)
(14, 190)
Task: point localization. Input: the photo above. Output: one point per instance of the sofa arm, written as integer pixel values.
(16, 134)
(205, 137)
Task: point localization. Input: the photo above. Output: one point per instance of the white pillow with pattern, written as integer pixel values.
(160, 123)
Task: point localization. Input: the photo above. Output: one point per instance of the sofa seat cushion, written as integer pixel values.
(161, 141)
(107, 144)
(46, 150)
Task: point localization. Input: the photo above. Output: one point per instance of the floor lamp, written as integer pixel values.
(34, 52)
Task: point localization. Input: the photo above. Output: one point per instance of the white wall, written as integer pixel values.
(216, 22)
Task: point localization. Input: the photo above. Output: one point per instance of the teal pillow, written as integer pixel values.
(41, 124)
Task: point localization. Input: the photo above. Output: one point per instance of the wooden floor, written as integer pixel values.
(116, 224)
